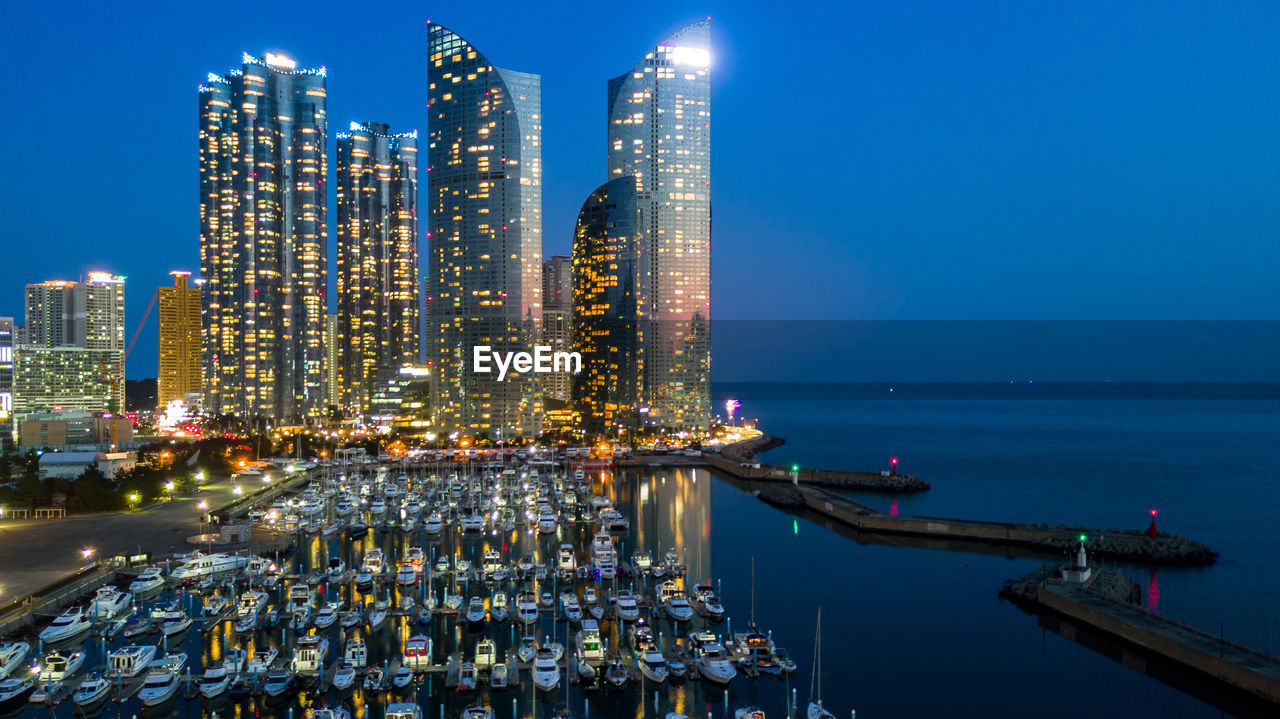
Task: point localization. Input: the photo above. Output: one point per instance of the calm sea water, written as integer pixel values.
(918, 632)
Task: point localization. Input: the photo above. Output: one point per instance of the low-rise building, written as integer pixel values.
(76, 430)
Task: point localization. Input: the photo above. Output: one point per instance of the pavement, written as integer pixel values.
(37, 552)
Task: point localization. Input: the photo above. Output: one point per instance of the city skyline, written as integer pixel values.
(891, 272)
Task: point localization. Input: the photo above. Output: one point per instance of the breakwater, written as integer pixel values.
(738, 459)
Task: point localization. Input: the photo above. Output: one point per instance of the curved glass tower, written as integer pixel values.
(606, 312)
(660, 134)
(263, 238)
(484, 161)
(377, 273)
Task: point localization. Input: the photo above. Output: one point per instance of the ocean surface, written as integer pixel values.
(920, 632)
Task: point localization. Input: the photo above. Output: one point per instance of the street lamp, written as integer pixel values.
(86, 552)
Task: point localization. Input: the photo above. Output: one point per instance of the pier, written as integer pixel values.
(738, 460)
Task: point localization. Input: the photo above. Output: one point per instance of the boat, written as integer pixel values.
(815, 709)
(417, 652)
(173, 662)
(109, 602)
(498, 608)
(626, 607)
(214, 606)
(616, 673)
(556, 649)
(356, 653)
(364, 580)
(586, 672)
(91, 691)
(569, 607)
(676, 668)
(749, 713)
(378, 614)
(149, 581)
(473, 523)
(278, 682)
(70, 624)
(589, 645)
(407, 710)
(498, 676)
(546, 600)
(526, 608)
(547, 524)
(337, 569)
(12, 654)
(486, 653)
(425, 615)
(357, 529)
(611, 520)
(251, 604)
(350, 618)
(476, 711)
(466, 677)
(783, 659)
(174, 622)
(216, 681)
(401, 678)
(262, 660)
(326, 617)
(159, 687)
(714, 665)
(130, 661)
(546, 673)
(476, 612)
(15, 691)
(654, 667)
(309, 655)
(407, 576)
(207, 565)
(344, 677)
(244, 625)
(58, 666)
(528, 649)
(374, 680)
(566, 560)
(434, 523)
(328, 713)
(678, 608)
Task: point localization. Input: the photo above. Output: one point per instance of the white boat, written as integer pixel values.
(91, 691)
(528, 649)
(477, 711)
(678, 608)
(345, 677)
(473, 523)
(627, 608)
(149, 581)
(466, 677)
(714, 665)
(207, 565)
(326, 617)
(526, 608)
(401, 678)
(278, 682)
(546, 673)
(547, 524)
(301, 618)
(498, 676)
(556, 649)
(616, 673)
(337, 569)
(262, 661)
(590, 646)
(356, 652)
(12, 654)
(13, 692)
(216, 681)
(406, 710)
(130, 661)
(406, 576)
(654, 667)
(214, 606)
(476, 612)
(309, 655)
(251, 603)
(328, 713)
(159, 687)
(378, 614)
(566, 560)
(58, 666)
(748, 713)
(498, 608)
(486, 653)
(109, 602)
(434, 523)
(611, 520)
(70, 624)
(173, 662)
(452, 601)
(417, 652)
(815, 710)
(175, 622)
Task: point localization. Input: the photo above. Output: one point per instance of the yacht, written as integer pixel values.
(499, 676)
(70, 624)
(526, 608)
(251, 603)
(130, 661)
(58, 667)
(174, 622)
(91, 691)
(406, 577)
(159, 687)
(262, 661)
(214, 605)
(12, 655)
(14, 692)
(417, 652)
(356, 653)
(207, 565)
(569, 607)
(149, 581)
(566, 561)
(611, 520)
(378, 614)
(708, 602)
(309, 654)
(654, 667)
(216, 681)
(466, 677)
(337, 569)
(590, 647)
(815, 710)
(401, 678)
(278, 682)
(616, 673)
(626, 607)
(406, 710)
(498, 611)
(326, 617)
(546, 673)
(714, 665)
(547, 524)
(473, 523)
(486, 653)
(677, 607)
(345, 677)
(475, 611)
(364, 579)
(109, 603)
(528, 649)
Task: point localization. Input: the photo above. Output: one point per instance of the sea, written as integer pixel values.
(908, 628)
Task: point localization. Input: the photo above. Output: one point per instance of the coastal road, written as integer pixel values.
(37, 552)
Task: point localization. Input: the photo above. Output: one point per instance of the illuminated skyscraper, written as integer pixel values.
(7, 337)
(331, 359)
(557, 318)
(263, 238)
(377, 260)
(179, 322)
(606, 312)
(87, 315)
(660, 134)
(485, 233)
(50, 314)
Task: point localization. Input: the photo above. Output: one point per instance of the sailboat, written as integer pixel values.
(815, 710)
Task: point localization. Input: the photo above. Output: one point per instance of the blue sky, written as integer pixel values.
(1002, 160)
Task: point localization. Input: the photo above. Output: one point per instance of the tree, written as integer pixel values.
(30, 492)
(92, 491)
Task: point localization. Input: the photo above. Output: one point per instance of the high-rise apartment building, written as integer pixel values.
(7, 339)
(87, 315)
(58, 378)
(660, 134)
(377, 272)
(179, 319)
(263, 237)
(331, 359)
(484, 234)
(607, 329)
(50, 314)
(557, 318)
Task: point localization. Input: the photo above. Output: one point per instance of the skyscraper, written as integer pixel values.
(179, 320)
(660, 134)
(377, 260)
(263, 237)
(485, 233)
(7, 337)
(557, 318)
(606, 312)
(331, 387)
(50, 314)
(47, 378)
(86, 315)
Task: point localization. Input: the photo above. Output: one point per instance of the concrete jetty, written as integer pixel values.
(738, 459)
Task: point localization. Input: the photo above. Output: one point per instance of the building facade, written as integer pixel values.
(557, 319)
(377, 272)
(263, 238)
(331, 359)
(8, 335)
(660, 135)
(607, 329)
(50, 314)
(56, 378)
(180, 374)
(484, 234)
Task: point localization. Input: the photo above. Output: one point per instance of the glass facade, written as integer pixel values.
(263, 237)
(606, 312)
(660, 134)
(557, 314)
(485, 234)
(377, 273)
(179, 321)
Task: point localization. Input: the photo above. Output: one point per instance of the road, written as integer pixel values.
(38, 552)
